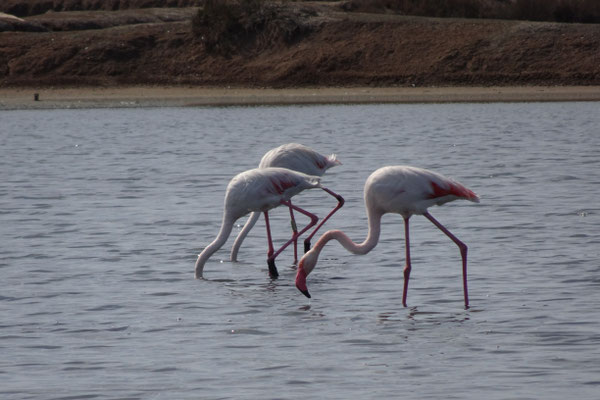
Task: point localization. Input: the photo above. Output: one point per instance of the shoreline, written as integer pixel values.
(174, 96)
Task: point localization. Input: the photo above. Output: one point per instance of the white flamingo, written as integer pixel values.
(259, 190)
(402, 190)
(299, 158)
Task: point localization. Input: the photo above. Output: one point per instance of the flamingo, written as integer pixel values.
(402, 190)
(299, 158)
(260, 190)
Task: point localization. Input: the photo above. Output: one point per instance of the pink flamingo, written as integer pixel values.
(255, 190)
(299, 158)
(402, 190)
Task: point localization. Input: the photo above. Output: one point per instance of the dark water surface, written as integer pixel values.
(102, 213)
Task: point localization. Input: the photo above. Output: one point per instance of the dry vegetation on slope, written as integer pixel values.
(303, 44)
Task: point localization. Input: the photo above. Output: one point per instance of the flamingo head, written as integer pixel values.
(305, 266)
(332, 161)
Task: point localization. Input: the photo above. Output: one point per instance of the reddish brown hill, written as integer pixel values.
(156, 46)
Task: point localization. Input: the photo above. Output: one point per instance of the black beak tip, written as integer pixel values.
(305, 292)
(306, 247)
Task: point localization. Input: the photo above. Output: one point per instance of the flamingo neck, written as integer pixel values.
(356, 248)
(254, 216)
(222, 236)
(309, 260)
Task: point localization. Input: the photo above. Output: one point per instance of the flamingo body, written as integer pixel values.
(408, 191)
(292, 156)
(299, 158)
(262, 189)
(256, 190)
(402, 190)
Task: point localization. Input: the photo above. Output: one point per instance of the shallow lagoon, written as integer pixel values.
(103, 211)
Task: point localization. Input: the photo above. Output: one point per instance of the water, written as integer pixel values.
(102, 213)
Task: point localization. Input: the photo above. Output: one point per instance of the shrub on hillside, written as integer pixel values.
(226, 26)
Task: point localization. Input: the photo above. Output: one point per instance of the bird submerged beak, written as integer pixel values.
(301, 280)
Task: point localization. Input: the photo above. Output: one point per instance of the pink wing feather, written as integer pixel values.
(453, 189)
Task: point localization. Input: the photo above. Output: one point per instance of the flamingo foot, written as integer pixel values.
(273, 273)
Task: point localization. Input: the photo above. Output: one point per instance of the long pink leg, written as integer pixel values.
(294, 234)
(463, 253)
(270, 259)
(407, 267)
(272, 256)
(313, 221)
(340, 200)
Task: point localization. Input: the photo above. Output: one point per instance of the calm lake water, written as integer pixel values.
(103, 211)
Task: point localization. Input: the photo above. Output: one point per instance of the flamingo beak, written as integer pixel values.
(301, 281)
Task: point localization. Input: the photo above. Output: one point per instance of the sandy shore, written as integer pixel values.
(92, 97)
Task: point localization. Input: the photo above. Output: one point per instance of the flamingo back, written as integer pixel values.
(299, 158)
(262, 189)
(409, 190)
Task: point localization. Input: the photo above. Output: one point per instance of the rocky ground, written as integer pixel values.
(156, 46)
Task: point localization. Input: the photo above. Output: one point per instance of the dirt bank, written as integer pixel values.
(180, 96)
(155, 46)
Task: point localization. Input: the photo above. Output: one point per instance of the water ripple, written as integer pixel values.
(102, 217)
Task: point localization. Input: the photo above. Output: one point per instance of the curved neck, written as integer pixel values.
(242, 235)
(355, 248)
(224, 232)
